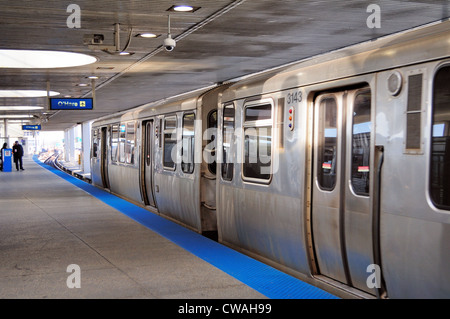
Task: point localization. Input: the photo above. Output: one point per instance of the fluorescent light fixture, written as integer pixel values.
(26, 93)
(40, 59)
(93, 77)
(124, 53)
(147, 35)
(20, 108)
(17, 116)
(183, 8)
(19, 121)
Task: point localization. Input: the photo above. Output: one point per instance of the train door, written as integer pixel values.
(147, 163)
(104, 156)
(342, 186)
(208, 174)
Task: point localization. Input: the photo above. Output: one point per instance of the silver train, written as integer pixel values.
(334, 169)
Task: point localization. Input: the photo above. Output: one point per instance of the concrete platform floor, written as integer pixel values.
(47, 224)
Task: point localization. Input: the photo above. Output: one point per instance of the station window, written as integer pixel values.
(362, 126)
(170, 141)
(130, 142)
(228, 132)
(327, 152)
(440, 141)
(188, 141)
(122, 139)
(257, 142)
(114, 141)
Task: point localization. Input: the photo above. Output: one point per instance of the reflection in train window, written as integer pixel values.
(94, 143)
(129, 147)
(260, 112)
(440, 141)
(211, 142)
(362, 126)
(258, 142)
(257, 152)
(170, 141)
(114, 141)
(187, 152)
(122, 134)
(228, 132)
(327, 147)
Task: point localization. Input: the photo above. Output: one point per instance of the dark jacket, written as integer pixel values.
(17, 150)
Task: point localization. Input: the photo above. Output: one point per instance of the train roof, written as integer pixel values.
(408, 47)
(185, 101)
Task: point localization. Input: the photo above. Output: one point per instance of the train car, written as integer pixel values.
(336, 169)
(150, 156)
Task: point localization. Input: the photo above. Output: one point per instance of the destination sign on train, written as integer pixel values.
(71, 104)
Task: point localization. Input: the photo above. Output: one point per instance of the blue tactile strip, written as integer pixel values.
(267, 280)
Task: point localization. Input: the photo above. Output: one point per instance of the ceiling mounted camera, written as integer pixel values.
(169, 43)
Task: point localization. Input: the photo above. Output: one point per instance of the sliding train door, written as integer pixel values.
(104, 156)
(147, 156)
(342, 186)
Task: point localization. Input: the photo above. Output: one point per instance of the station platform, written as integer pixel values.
(50, 221)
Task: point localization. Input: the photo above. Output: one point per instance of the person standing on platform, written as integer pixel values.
(18, 153)
(5, 145)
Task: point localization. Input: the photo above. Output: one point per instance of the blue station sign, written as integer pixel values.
(71, 104)
(31, 127)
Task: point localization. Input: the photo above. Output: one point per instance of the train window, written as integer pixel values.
(129, 147)
(327, 152)
(260, 112)
(211, 142)
(122, 134)
(362, 126)
(187, 152)
(94, 143)
(258, 142)
(170, 141)
(228, 132)
(114, 141)
(440, 141)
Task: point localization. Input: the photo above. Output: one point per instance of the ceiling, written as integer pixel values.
(222, 40)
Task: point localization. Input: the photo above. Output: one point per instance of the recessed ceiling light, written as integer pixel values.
(19, 121)
(40, 59)
(147, 35)
(20, 108)
(17, 116)
(183, 8)
(26, 93)
(82, 84)
(124, 53)
(92, 77)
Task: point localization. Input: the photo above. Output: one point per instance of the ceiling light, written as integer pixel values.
(26, 93)
(82, 84)
(17, 116)
(92, 77)
(147, 35)
(183, 8)
(19, 121)
(20, 108)
(40, 59)
(124, 53)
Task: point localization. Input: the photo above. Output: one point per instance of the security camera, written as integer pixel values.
(169, 44)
